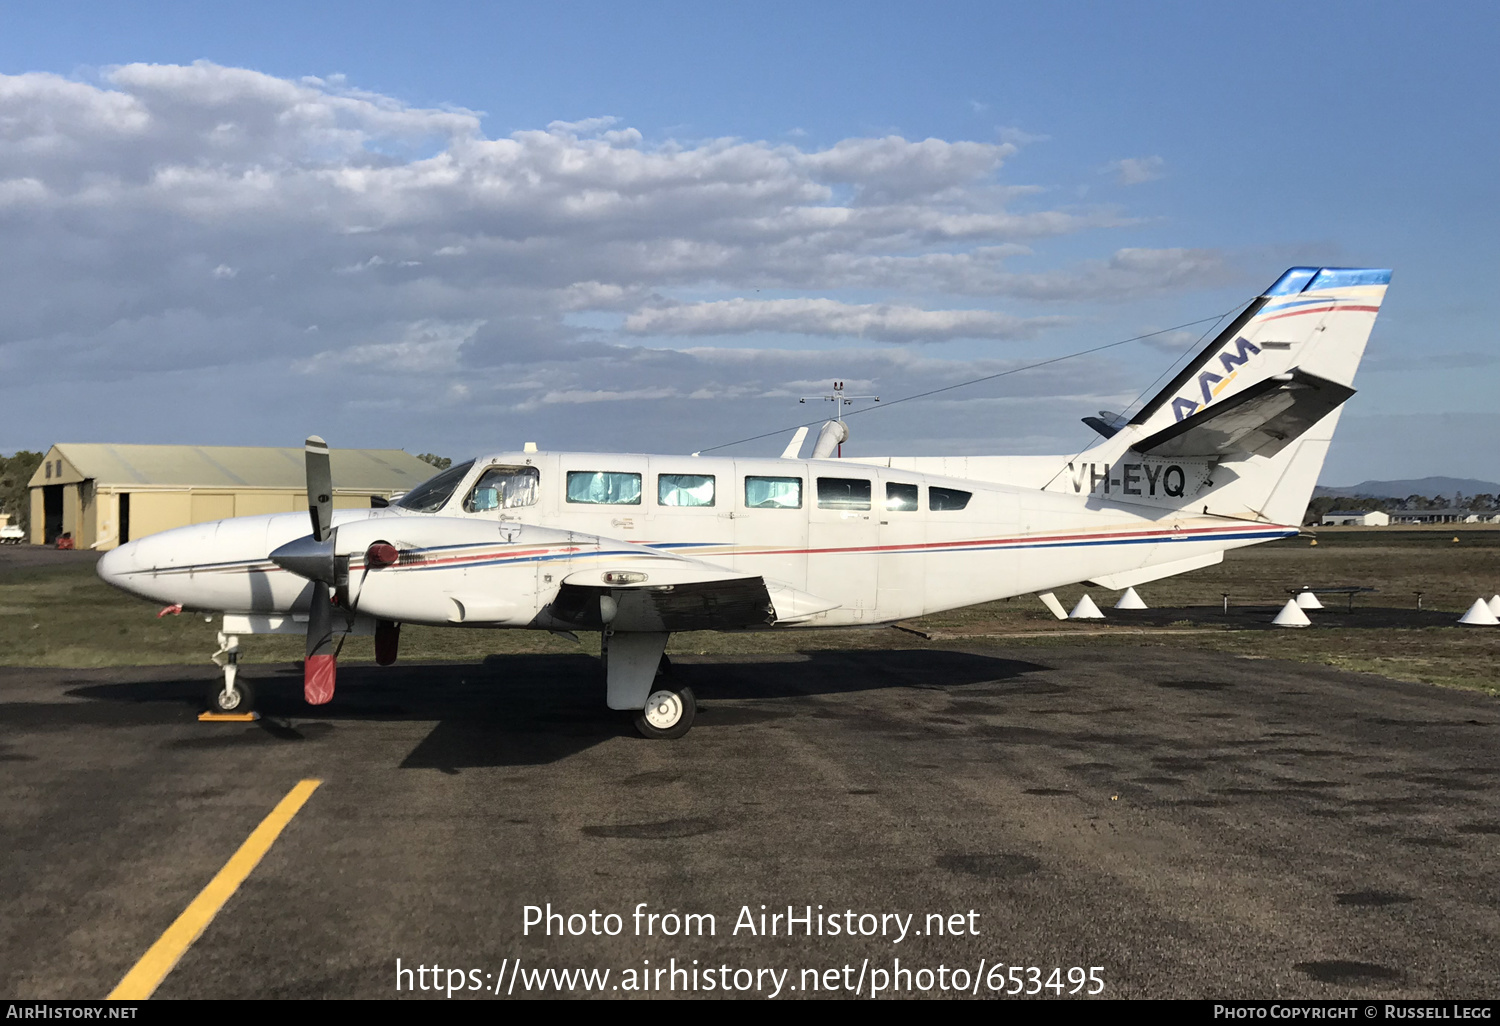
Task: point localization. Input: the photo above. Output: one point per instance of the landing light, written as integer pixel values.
(623, 577)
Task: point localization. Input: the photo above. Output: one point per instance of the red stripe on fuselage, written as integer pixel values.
(494, 554)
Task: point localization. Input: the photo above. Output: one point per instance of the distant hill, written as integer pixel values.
(1426, 486)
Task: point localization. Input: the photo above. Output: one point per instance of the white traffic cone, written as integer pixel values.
(1291, 615)
(1307, 600)
(1495, 604)
(1130, 600)
(1479, 615)
(1085, 610)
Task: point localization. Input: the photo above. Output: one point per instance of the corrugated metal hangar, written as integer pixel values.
(106, 495)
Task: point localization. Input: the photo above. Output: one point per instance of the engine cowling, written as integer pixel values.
(447, 570)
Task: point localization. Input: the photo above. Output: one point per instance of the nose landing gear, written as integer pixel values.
(229, 697)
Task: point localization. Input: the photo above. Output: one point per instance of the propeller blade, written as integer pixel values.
(321, 667)
(319, 487)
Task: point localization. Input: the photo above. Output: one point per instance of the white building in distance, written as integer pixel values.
(1356, 518)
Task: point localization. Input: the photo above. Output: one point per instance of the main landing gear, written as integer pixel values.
(668, 714)
(230, 696)
(637, 673)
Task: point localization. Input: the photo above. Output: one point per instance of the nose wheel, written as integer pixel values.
(225, 699)
(668, 713)
(230, 695)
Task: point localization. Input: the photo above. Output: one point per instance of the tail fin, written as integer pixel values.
(1248, 421)
(1313, 319)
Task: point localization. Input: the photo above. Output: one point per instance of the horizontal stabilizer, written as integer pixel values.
(1107, 424)
(1259, 420)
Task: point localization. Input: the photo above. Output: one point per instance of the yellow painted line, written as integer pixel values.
(162, 957)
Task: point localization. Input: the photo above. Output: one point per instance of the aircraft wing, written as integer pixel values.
(1262, 419)
(672, 593)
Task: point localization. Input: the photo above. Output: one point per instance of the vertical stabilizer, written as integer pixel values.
(1314, 319)
(1243, 429)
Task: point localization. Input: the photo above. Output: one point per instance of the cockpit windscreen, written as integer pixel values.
(433, 494)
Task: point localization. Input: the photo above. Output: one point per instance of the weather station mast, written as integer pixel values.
(837, 426)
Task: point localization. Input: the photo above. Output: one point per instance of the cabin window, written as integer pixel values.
(685, 490)
(843, 493)
(504, 488)
(433, 494)
(900, 498)
(941, 500)
(773, 492)
(604, 488)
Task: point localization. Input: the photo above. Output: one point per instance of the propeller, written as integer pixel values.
(313, 557)
(319, 488)
(321, 667)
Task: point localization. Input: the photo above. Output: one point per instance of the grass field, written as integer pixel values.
(56, 612)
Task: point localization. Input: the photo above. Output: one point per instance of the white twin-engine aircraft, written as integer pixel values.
(637, 547)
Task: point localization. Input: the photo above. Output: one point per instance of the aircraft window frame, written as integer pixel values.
(597, 475)
(678, 490)
(850, 500)
(442, 484)
(799, 482)
(915, 498)
(506, 500)
(933, 506)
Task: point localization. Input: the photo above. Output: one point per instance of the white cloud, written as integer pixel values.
(602, 395)
(883, 322)
(1136, 170)
(1020, 137)
(418, 245)
(427, 348)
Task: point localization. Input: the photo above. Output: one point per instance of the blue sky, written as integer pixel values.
(1219, 145)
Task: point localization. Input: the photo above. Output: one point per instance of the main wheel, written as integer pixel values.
(222, 700)
(668, 713)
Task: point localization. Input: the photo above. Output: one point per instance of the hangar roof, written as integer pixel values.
(229, 466)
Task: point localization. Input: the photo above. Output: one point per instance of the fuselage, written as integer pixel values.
(874, 544)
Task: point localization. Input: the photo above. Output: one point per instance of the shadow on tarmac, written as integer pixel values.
(518, 710)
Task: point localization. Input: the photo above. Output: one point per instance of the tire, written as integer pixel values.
(655, 720)
(246, 702)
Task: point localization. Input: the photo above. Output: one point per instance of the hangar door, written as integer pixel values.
(52, 513)
(208, 506)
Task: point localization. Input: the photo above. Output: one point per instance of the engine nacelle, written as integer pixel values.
(452, 571)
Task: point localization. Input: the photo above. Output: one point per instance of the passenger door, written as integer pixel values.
(842, 557)
(769, 515)
(902, 534)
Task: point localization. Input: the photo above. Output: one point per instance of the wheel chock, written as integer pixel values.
(208, 717)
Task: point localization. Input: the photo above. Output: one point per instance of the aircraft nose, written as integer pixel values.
(115, 564)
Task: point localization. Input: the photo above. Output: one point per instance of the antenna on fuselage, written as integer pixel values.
(840, 400)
